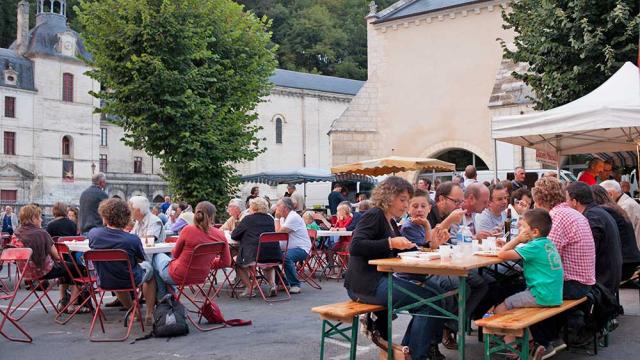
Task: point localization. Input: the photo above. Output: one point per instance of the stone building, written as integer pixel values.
(435, 80)
(53, 142)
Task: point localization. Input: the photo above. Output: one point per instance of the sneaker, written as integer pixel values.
(434, 353)
(273, 291)
(245, 293)
(294, 290)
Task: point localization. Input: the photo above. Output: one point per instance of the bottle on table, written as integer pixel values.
(507, 226)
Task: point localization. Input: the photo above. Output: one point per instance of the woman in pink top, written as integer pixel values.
(172, 271)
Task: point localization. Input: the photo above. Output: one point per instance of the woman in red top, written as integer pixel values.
(172, 271)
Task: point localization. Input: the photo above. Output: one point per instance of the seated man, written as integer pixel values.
(146, 224)
(493, 217)
(115, 214)
(288, 221)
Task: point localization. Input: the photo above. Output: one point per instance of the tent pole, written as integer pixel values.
(495, 160)
(637, 164)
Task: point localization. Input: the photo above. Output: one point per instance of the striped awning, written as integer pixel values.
(619, 159)
(303, 175)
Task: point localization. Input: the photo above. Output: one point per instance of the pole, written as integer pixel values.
(495, 161)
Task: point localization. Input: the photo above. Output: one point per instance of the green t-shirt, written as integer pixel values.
(313, 226)
(542, 271)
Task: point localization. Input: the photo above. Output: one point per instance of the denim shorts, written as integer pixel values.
(145, 275)
(523, 299)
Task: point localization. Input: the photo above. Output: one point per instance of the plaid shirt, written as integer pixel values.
(572, 236)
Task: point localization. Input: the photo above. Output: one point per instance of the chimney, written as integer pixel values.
(22, 32)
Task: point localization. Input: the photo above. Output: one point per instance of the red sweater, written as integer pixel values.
(190, 237)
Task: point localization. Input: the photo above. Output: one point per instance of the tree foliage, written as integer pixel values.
(182, 78)
(571, 46)
(327, 37)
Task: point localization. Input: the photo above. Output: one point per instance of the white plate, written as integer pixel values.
(419, 255)
(491, 253)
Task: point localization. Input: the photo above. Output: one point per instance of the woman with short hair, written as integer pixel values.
(61, 225)
(247, 233)
(377, 237)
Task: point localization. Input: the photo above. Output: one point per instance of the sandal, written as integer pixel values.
(81, 310)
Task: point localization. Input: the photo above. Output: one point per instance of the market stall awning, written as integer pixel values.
(393, 164)
(302, 175)
(605, 120)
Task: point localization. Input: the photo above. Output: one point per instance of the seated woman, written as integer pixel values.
(45, 261)
(173, 271)
(115, 215)
(61, 225)
(247, 233)
(377, 237)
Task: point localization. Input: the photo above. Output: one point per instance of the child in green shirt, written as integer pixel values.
(311, 223)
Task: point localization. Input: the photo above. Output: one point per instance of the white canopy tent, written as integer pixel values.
(605, 120)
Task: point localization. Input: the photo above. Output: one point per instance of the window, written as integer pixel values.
(137, 165)
(8, 196)
(103, 163)
(9, 143)
(9, 106)
(103, 136)
(67, 87)
(66, 146)
(278, 130)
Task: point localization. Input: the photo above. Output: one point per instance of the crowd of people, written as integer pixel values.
(568, 238)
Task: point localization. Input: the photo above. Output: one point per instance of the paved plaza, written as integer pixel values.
(285, 330)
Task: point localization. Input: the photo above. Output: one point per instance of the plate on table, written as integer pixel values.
(419, 255)
(492, 253)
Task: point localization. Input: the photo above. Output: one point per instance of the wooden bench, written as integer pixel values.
(516, 322)
(344, 313)
(635, 280)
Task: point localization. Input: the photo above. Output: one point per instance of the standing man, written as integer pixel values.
(630, 206)
(493, 217)
(90, 199)
(288, 221)
(518, 179)
(607, 171)
(335, 198)
(297, 198)
(595, 168)
(9, 220)
(165, 205)
(470, 176)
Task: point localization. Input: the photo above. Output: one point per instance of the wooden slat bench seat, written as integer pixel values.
(516, 322)
(347, 313)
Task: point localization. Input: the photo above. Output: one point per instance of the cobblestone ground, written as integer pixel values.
(285, 330)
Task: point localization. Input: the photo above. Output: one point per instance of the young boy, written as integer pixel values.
(543, 272)
(417, 229)
(310, 221)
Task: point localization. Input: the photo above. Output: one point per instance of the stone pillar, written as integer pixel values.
(22, 33)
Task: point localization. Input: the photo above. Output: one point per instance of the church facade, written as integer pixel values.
(52, 142)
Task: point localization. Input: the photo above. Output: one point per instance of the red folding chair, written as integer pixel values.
(198, 270)
(306, 269)
(85, 282)
(37, 285)
(113, 255)
(257, 270)
(5, 243)
(19, 258)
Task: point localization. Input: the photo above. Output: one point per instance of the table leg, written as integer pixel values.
(390, 317)
(462, 315)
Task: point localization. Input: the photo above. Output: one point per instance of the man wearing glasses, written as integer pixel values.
(493, 217)
(447, 210)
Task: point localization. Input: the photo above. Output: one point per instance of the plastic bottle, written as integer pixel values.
(467, 240)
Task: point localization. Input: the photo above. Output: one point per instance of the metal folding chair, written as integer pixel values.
(113, 255)
(85, 282)
(37, 285)
(198, 271)
(307, 269)
(256, 270)
(19, 258)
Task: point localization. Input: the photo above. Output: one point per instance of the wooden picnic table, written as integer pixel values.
(452, 267)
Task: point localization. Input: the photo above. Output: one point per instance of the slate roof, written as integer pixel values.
(332, 84)
(22, 65)
(408, 8)
(43, 38)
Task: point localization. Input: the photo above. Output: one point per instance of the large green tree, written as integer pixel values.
(571, 46)
(182, 77)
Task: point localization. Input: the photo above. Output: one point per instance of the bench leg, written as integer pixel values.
(354, 338)
(487, 347)
(324, 323)
(462, 316)
(524, 345)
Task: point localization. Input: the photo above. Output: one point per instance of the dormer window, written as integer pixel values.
(10, 77)
(67, 44)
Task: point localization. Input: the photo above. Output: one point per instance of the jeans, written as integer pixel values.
(293, 256)
(421, 330)
(161, 268)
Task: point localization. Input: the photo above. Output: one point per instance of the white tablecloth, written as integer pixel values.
(334, 233)
(83, 246)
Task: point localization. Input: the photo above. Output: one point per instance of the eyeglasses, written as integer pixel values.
(455, 201)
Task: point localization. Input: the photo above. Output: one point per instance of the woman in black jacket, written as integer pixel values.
(375, 237)
(247, 233)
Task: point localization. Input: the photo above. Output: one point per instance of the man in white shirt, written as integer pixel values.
(288, 221)
(493, 217)
(146, 224)
(630, 206)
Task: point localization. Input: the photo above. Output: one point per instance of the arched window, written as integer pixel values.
(66, 146)
(278, 130)
(67, 87)
(462, 158)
